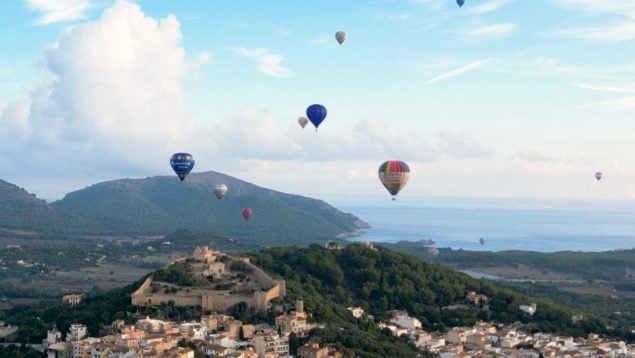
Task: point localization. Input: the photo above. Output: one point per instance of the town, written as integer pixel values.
(219, 335)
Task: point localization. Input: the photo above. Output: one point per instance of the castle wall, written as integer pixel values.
(212, 299)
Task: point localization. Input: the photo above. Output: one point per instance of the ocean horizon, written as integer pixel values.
(544, 225)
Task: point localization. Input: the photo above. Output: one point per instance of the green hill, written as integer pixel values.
(381, 280)
(160, 205)
(329, 280)
(22, 211)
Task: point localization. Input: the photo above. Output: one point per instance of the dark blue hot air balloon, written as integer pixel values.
(460, 2)
(182, 164)
(316, 114)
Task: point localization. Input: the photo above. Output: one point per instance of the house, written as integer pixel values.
(53, 336)
(313, 350)
(76, 332)
(72, 299)
(458, 335)
(402, 319)
(477, 341)
(82, 348)
(529, 309)
(357, 312)
(476, 298)
(270, 342)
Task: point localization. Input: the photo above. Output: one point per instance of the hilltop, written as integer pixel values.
(162, 205)
(21, 212)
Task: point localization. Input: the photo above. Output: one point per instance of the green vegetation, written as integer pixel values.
(381, 280)
(329, 281)
(240, 266)
(613, 266)
(162, 205)
(178, 273)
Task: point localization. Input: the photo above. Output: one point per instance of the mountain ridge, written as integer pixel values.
(160, 205)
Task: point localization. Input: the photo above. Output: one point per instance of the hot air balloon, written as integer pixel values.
(394, 174)
(182, 164)
(247, 213)
(302, 121)
(433, 251)
(598, 176)
(482, 241)
(220, 190)
(340, 37)
(316, 114)
(460, 2)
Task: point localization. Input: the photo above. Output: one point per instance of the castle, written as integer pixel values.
(256, 288)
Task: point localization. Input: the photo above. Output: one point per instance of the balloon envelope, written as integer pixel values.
(460, 2)
(481, 240)
(394, 175)
(247, 213)
(316, 114)
(432, 251)
(220, 190)
(340, 37)
(182, 164)
(598, 176)
(303, 121)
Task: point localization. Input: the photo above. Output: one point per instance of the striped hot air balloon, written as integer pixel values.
(394, 174)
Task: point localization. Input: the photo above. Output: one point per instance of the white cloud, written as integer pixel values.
(458, 71)
(431, 4)
(497, 30)
(489, 6)
(611, 33)
(58, 10)
(462, 145)
(606, 88)
(111, 101)
(618, 7)
(268, 63)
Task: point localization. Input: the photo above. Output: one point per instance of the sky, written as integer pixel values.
(499, 98)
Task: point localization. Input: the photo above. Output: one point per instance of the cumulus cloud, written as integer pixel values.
(112, 91)
(58, 10)
(268, 63)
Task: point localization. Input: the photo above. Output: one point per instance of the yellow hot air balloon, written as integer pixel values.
(394, 174)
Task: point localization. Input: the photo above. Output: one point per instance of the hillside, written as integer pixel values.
(160, 205)
(22, 211)
(380, 280)
(328, 281)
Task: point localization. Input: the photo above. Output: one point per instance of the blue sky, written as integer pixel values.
(503, 98)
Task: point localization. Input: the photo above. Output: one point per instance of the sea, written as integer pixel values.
(545, 225)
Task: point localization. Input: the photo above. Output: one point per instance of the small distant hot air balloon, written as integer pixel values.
(303, 121)
(316, 114)
(182, 164)
(433, 251)
(598, 176)
(460, 2)
(482, 241)
(394, 174)
(340, 37)
(247, 213)
(220, 190)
